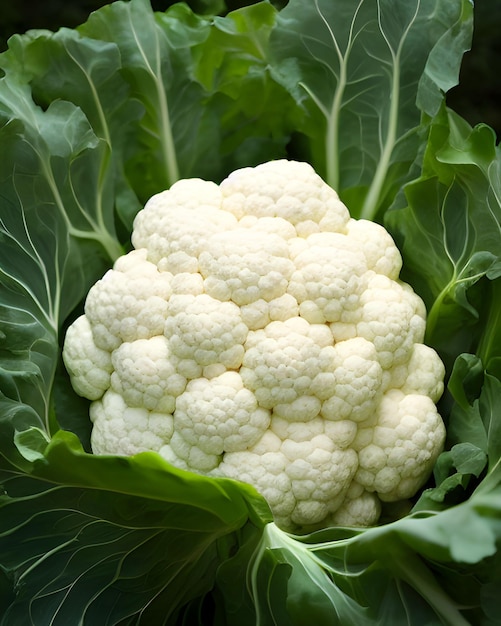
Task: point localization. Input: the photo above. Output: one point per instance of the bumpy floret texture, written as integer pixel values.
(257, 332)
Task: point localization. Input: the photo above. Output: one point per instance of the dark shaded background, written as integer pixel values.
(477, 98)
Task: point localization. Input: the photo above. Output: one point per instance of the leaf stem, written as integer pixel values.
(491, 336)
(333, 115)
(166, 137)
(371, 203)
(434, 313)
(413, 571)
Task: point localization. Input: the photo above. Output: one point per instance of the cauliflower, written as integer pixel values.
(260, 333)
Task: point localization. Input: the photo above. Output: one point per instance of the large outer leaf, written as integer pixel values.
(234, 66)
(447, 223)
(67, 66)
(178, 134)
(428, 568)
(108, 540)
(364, 71)
(56, 211)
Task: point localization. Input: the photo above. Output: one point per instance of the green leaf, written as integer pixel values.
(52, 173)
(310, 592)
(177, 135)
(363, 72)
(389, 574)
(467, 378)
(31, 443)
(447, 224)
(490, 408)
(65, 65)
(453, 473)
(468, 459)
(147, 475)
(474, 436)
(56, 238)
(233, 65)
(110, 538)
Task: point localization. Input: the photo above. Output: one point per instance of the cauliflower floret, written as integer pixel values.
(89, 367)
(187, 283)
(146, 375)
(281, 363)
(309, 477)
(392, 317)
(352, 388)
(271, 225)
(260, 313)
(220, 415)
(423, 373)
(264, 466)
(381, 253)
(290, 190)
(185, 194)
(258, 332)
(359, 508)
(130, 302)
(241, 267)
(329, 278)
(167, 229)
(120, 429)
(398, 452)
(182, 454)
(206, 332)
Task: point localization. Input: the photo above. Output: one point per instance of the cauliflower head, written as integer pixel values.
(258, 332)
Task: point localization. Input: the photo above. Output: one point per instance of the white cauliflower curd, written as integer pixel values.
(258, 332)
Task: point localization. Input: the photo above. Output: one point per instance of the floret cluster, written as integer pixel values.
(258, 332)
